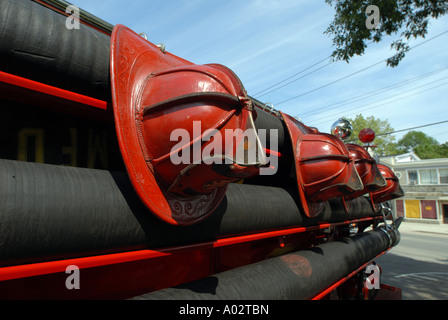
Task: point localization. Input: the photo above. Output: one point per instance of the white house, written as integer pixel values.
(425, 183)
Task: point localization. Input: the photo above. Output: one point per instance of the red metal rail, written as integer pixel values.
(52, 91)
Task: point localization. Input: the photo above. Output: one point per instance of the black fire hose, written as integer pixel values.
(50, 212)
(36, 44)
(300, 275)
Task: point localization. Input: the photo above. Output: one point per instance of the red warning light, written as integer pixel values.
(366, 135)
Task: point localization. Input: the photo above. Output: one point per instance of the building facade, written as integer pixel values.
(425, 183)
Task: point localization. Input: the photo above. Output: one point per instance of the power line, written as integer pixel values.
(359, 71)
(413, 128)
(439, 134)
(296, 74)
(380, 105)
(368, 104)
(375, 92)
(330, 83)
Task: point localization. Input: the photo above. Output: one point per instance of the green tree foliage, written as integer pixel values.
(351, 34)
(444, 149)
(385, 142)
(423, 145)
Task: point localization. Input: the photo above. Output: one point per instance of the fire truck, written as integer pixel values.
(127, 172)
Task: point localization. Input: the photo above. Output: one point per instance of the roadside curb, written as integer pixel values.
(423, 227)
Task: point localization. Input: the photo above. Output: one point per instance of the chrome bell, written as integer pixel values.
(342, 129)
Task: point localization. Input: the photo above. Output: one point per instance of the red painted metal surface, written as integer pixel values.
(40, 95)
(324, 167)
(387, 292)
(52, 91)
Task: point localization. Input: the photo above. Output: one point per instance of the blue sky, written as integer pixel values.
(267, 41)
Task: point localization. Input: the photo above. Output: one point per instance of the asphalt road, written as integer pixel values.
(418, 265)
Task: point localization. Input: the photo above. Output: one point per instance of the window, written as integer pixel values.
(443, 176)
(413, 177)
(429, 176)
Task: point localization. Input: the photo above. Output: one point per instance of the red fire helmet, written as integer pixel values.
(367, 169)
(164, 107)
(392, 190)
(324, 167)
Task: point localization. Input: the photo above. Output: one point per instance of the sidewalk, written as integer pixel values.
(410, 226)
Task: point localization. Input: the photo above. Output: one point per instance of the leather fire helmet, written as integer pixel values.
(367, 169)
(392, 190)
(172, 119)
(324, 167)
